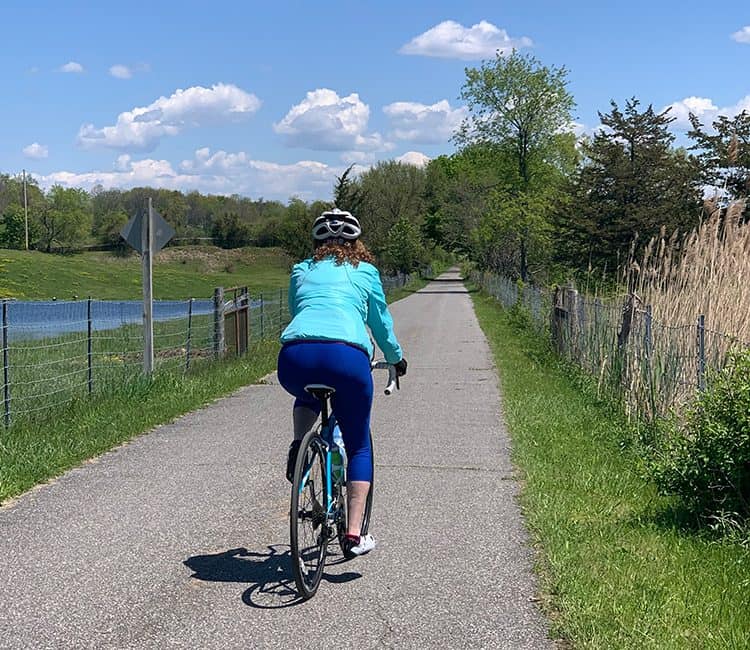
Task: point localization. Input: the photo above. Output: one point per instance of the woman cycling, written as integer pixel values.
(332, 296)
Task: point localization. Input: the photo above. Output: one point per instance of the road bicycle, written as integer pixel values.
(318, 511)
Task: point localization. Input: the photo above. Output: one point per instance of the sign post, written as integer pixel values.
(147, 234)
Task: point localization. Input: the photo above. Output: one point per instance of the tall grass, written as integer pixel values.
(679, 279)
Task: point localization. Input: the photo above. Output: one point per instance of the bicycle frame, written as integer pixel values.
(327, 425)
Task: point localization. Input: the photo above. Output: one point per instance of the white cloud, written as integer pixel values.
(216, 173)
(323, 121)
(72, 66)
(743, 35)
(415, 158)
(36, 151)
(705, 109)
(423, 123)
(141, 128)
(451, 40)
(121, 71)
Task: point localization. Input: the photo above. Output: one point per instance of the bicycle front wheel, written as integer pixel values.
(308, 528)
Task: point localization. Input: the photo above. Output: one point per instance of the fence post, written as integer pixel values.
(189, 334)
(648, 345)
(218, 322)
(701, 342)
(262, 331)
(89, 347)
(6, 370)
(281, 300)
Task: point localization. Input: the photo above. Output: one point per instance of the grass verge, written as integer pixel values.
(620, 566)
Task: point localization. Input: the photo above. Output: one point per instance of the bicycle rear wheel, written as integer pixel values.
(308, 529)
(364, 527)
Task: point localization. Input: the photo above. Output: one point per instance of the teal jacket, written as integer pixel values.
(333, 303)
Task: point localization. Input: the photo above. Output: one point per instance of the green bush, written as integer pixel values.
(705, 458)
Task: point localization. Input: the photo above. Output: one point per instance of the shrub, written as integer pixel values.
(705, 458)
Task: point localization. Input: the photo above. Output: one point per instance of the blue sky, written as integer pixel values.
(275, 99)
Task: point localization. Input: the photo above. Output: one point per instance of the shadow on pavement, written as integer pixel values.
(269, 574)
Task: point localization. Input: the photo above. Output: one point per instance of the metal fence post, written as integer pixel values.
(6, 369)
(701, 342)
(89, 347)
(648, 345)
(262, 332)
(218, 322)
(189, 334)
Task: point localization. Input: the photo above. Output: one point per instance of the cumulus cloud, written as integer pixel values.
(743, 35)
(219, 172)
(36, 151)
(142, 128)
(423, 123)
(705, 109)
(71, 66)
(451, 40)
(121, 71)
(416, 158)
(323, 121)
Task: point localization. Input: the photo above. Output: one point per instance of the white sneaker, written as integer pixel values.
(366, 544)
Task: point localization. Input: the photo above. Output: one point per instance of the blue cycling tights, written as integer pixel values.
(347, 369)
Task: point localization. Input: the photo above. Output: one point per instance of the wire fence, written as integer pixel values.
(59, 351)
(656, 367)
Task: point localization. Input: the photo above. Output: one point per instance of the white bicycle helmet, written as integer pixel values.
(336, 224)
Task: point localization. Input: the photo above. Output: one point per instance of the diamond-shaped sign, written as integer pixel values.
(163, 232)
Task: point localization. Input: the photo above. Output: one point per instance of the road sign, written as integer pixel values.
(162, 232)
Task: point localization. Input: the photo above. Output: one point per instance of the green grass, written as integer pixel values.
(32, 452)
(620, 566)
(179, 273)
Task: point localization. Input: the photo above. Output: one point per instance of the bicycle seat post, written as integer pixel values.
(323, 393)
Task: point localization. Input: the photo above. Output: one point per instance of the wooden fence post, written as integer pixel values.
(219, 342)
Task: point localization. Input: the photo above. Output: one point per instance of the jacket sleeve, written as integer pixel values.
(380, 322)
(298, 270)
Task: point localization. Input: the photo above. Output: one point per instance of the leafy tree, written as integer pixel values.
(725, 154)
(107, 227)
(295, 231)
(13, 233)
(632, 183)
(230, 232)
(392, 191)
(67, 219)
(523, 109)
(404, 250)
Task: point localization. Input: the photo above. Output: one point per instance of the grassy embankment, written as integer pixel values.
(179, 273)
(619, 565)
(34, 451)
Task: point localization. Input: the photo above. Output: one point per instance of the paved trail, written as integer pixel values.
(180, 539)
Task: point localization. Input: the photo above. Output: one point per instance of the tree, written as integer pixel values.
(725, 154)
(392, 190)
(523, 109)
(404, 250)
(230, 232)
(348, 193)
(13, 233)
(632, 183)
(66, 221)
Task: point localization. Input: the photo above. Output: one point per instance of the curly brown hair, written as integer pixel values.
(346, 251)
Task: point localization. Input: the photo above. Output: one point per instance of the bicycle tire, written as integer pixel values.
(367, 513)
(308, 529)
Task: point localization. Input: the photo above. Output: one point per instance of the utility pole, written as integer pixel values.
(26, 210)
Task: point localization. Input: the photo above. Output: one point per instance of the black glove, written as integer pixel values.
(400, 368)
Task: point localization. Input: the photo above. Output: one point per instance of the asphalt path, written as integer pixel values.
(180, 538)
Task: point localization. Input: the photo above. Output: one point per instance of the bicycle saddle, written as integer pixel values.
(321, 391)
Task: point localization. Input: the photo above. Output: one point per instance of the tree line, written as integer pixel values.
(521, 195)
